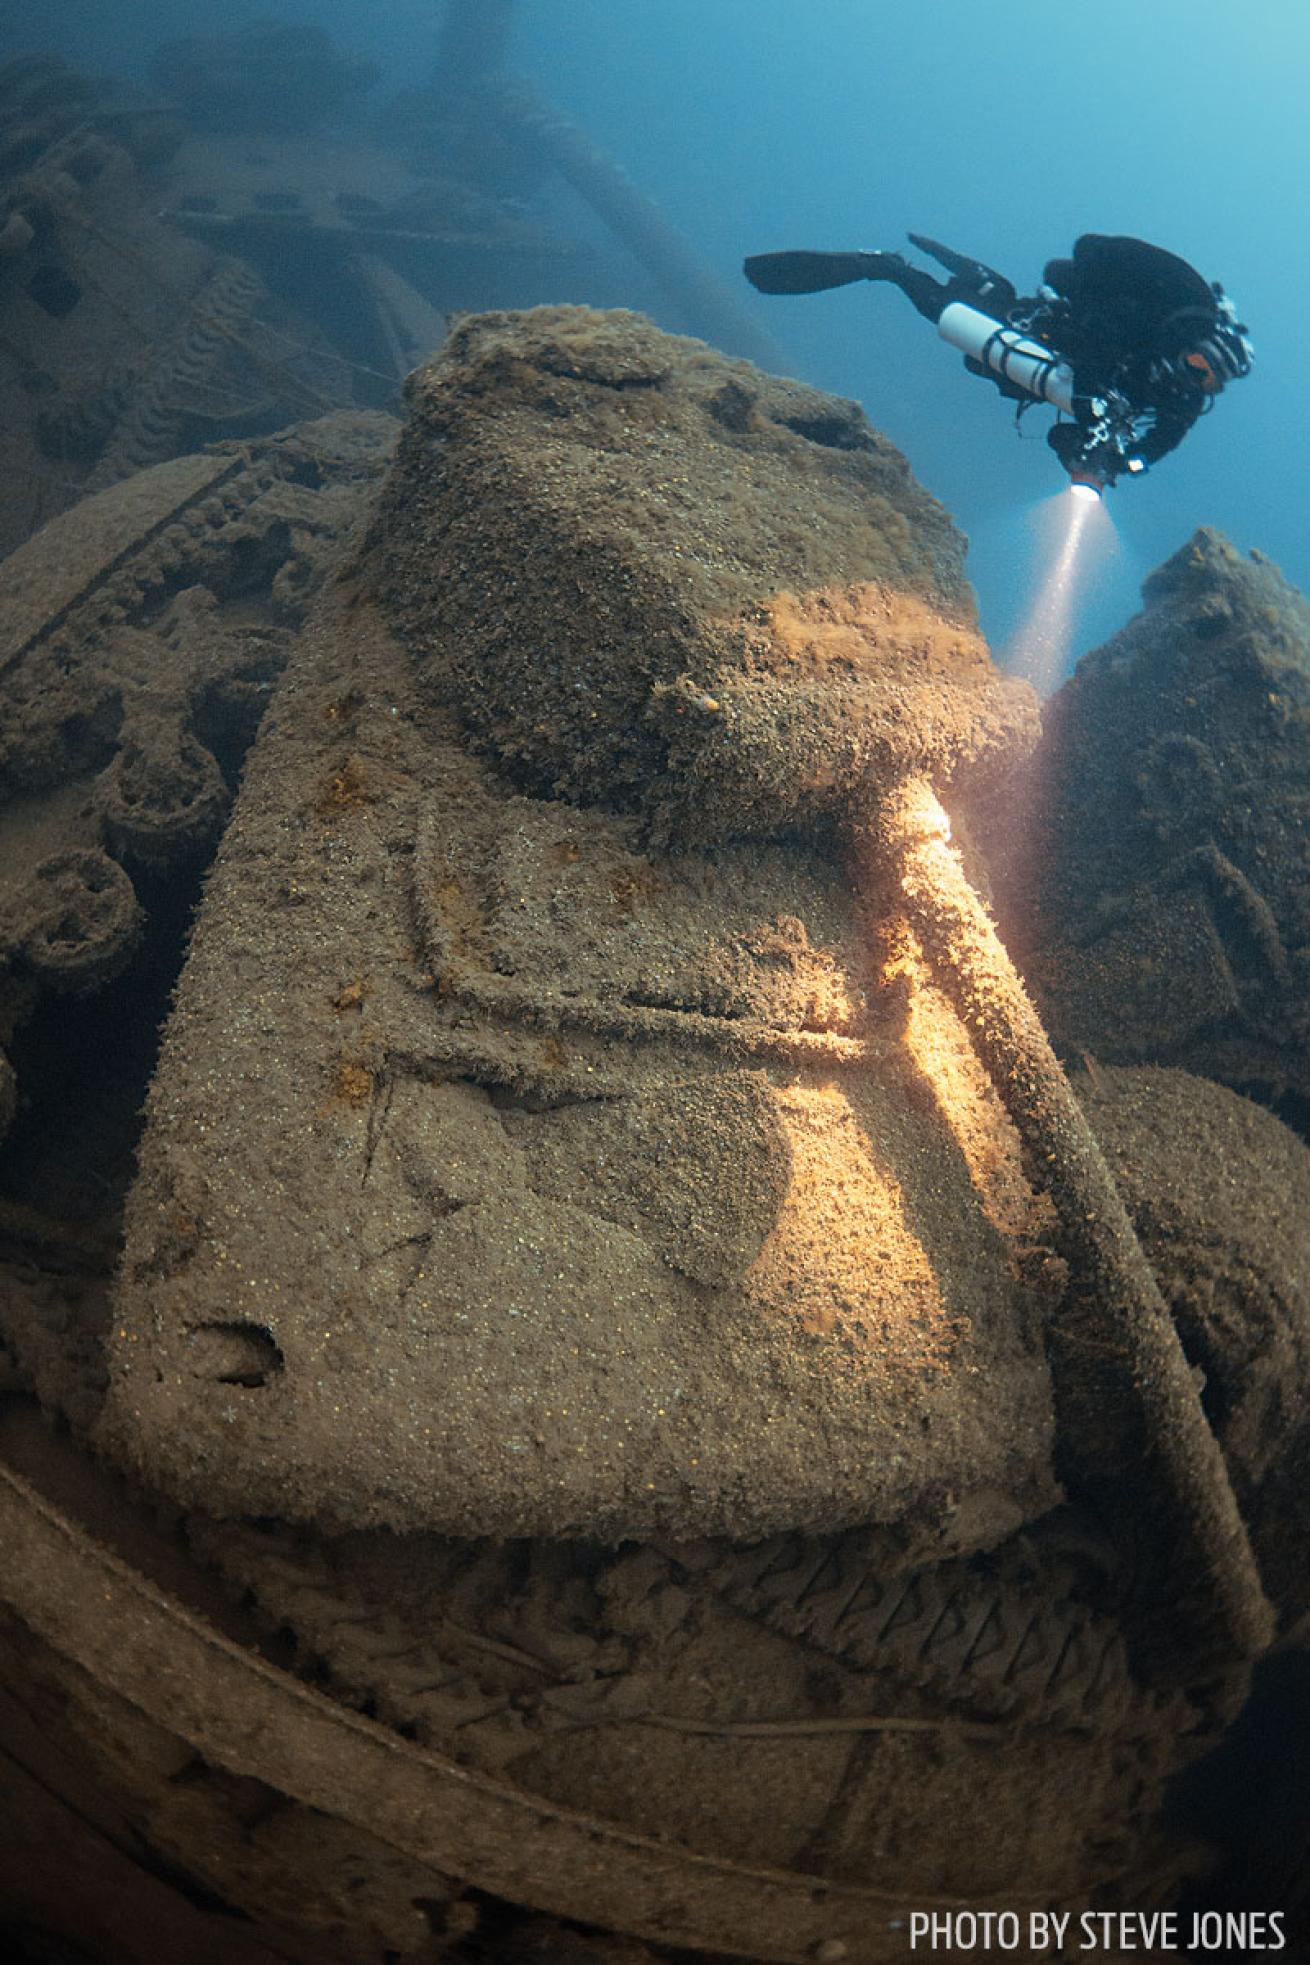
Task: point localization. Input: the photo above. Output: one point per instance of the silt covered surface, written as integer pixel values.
(538, 1145)
(672, 584)
(1159, 883)
(498, 1114)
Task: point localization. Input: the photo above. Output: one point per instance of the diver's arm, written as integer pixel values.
(1172, 422)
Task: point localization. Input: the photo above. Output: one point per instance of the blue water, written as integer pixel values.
(760, 124)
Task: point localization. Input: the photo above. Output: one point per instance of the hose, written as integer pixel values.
(1132, 1437)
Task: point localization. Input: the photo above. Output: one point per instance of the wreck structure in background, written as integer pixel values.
(624, 1391)
(253, 240)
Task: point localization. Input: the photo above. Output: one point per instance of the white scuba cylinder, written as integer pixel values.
(1025, 363)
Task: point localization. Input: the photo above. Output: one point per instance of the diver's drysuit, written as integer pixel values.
(1148, 342)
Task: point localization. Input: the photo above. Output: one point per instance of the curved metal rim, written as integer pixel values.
(244, 1715)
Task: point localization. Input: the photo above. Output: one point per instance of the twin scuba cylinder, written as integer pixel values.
(1014, 356)
(1028, 365)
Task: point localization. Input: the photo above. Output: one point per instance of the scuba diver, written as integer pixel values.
(1127, 339)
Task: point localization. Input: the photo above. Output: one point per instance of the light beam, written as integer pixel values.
(1075, 530)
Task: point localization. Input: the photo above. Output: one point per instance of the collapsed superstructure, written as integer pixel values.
(254, 238)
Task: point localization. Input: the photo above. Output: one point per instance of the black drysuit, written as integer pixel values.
(1125, 314)
(1122, 313)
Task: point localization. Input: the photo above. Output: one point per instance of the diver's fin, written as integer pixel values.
(956, 262)
(811, 272)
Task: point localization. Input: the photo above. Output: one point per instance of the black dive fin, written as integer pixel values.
(807, 272)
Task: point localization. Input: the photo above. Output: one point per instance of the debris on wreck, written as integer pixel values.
(571, 1110)
(1161, 892)
(605, 1426)
(140, 638)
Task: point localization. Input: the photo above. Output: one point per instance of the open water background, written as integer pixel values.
(1003, 130)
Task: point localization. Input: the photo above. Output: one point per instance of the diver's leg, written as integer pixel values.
(971, 279)
(927, 295)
